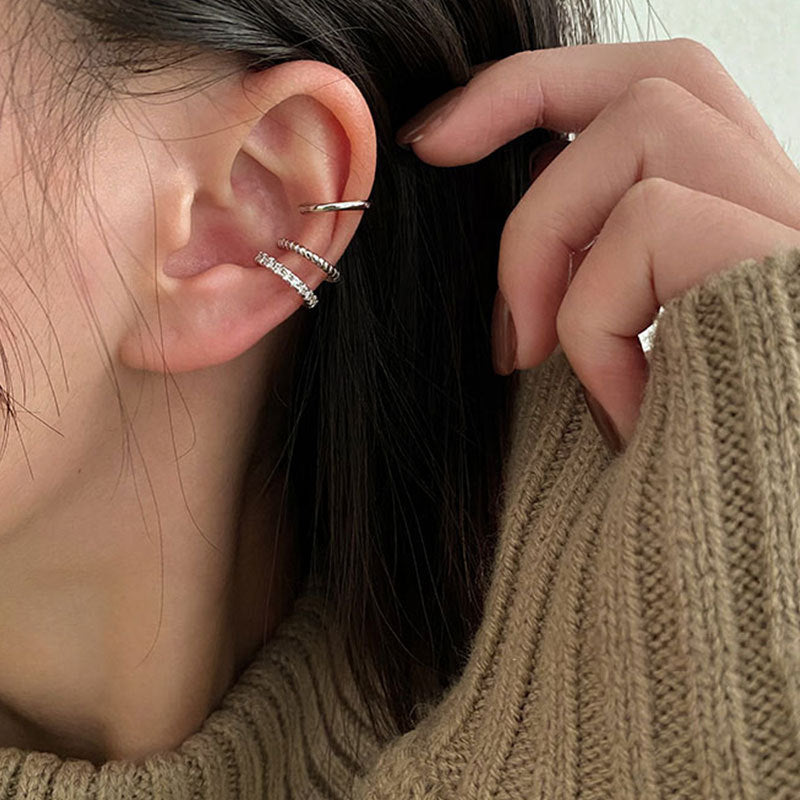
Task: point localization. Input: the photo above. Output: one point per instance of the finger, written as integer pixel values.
(565, 88)
(654, 129)
(659, 241)
(544, 155)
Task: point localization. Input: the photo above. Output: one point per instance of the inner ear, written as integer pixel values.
(258, 194)
(258, 186)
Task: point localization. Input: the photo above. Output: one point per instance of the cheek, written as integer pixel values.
(32, 279)
(53, 362)
(114, 225)
(50, 364)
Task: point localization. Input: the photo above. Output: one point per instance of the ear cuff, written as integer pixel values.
(332, 274)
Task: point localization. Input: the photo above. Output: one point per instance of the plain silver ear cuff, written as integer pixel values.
(331, 273)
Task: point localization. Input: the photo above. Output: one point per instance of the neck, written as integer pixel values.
(129, 604)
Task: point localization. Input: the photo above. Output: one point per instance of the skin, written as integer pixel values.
(135, 584)
(673, 177)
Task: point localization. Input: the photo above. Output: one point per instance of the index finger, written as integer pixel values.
(565, 88)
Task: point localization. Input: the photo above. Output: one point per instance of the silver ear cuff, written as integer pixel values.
(332, 274)
(266, 260)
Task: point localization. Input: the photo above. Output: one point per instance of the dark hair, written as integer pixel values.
(399, 424)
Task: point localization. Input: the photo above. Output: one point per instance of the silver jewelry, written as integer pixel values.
(266, 260)
(282, 271)
(344, 205)
(333, 274)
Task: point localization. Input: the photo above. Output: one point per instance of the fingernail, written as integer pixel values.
(504, 337)
(429, 118)
(603, 422)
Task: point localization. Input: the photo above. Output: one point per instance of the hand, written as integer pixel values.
(673, 176)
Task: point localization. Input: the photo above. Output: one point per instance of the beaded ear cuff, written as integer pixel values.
(332, 274)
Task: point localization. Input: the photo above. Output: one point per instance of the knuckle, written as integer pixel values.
(688, 49)
(644, 201)
(653, 92)
(522, 98)
(649, 100)
(652, 186)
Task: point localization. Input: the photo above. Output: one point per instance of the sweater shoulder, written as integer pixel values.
(641, 634)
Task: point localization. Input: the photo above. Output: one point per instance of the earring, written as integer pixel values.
(343, 205)
(332, 274)
(266, 260)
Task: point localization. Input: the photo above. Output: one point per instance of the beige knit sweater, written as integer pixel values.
(641, 636)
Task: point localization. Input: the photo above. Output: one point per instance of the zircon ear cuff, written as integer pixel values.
(331, 273)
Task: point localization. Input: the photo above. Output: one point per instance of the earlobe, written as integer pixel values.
(296, 133)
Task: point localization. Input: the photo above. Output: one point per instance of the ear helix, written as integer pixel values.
(332, 274)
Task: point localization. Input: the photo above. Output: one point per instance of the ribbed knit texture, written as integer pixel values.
(641, 636)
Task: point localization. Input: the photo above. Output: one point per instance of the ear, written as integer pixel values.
(241, 156)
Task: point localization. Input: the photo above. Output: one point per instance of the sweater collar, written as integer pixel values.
(293, 725)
